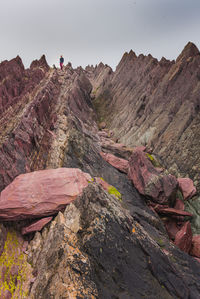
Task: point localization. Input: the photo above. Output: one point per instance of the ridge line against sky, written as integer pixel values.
(89, 31)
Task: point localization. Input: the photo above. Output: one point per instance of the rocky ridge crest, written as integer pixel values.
(109, 242)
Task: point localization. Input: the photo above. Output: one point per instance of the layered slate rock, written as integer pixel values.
(41, 193)
(148, 180)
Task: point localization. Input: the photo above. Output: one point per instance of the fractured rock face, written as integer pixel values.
(148, 181)
(41, 193)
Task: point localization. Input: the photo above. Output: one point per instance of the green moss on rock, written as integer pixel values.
(14, 268)
(112, 190)
(153, 160)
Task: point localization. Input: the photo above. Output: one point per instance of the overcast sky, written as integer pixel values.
(90, 31)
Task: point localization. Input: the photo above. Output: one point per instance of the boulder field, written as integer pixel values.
(83, 213)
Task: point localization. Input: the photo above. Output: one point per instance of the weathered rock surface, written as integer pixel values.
(16, 273)
(41, 193)
(91, 240)
(149, 182)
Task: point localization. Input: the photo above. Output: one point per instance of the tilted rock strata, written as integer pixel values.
(101, 246)
(156, 103)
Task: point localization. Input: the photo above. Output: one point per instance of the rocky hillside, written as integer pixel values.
(84, 216)
(156, 104)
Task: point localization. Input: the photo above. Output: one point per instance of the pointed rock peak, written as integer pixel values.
(101, 65)
(126, 58)
(43, 60)
(17, 60)
(132, 54)
(40, 63)
(190, 50)
(165, 62)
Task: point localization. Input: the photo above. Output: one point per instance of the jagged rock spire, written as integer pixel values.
(190, 50)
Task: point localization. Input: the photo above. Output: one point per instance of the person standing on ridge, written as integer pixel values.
(61, 62)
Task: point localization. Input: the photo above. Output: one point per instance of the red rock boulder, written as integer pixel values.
(150, 182)
(183, 238)
(41, 193)
(36, 226)
(116, 162)
(187, 187)
(195, 249)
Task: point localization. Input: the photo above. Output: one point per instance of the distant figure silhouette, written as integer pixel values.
(61, 62)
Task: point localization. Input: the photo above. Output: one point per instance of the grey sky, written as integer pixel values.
(90, 31)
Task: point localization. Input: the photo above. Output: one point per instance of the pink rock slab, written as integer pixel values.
(116, 162)
(195, 249)
(36, 226)
(183, 238)
(41, 193)
(187, 187)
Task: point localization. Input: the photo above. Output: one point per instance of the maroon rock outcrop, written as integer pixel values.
(149, 182)
(116, 162)
(16, 82)
(195, 249)
(183, 237)
(36, 226)
(41, 63)
(187, 187)
(41, 193)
